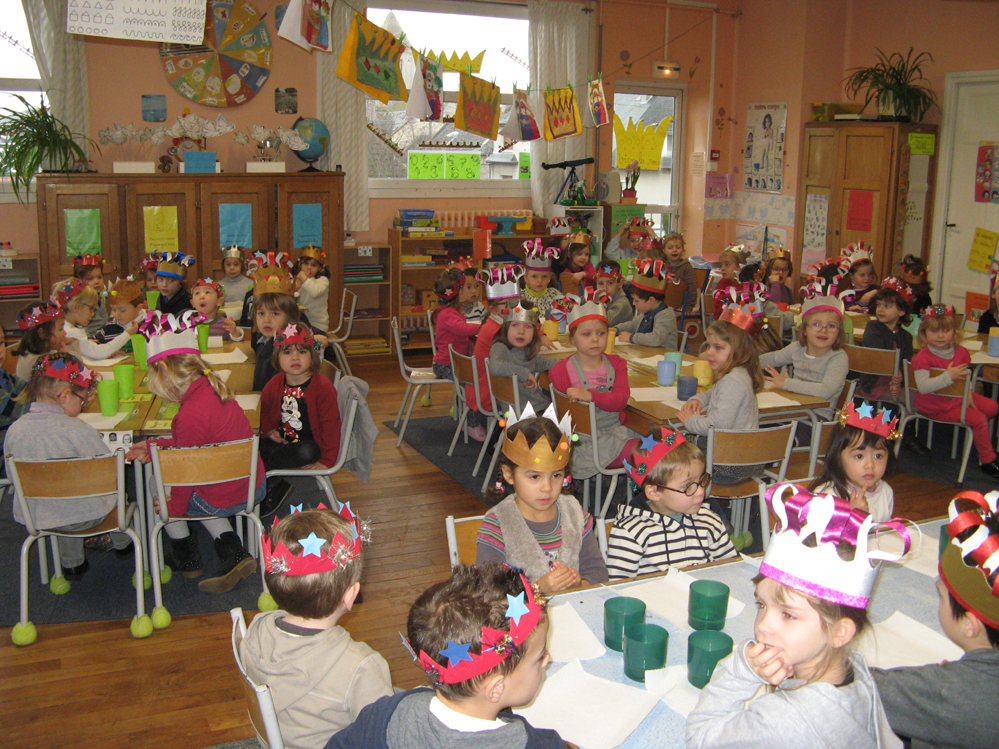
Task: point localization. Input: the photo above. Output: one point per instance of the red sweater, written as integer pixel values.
(926, 359)
(487, 333)
(321, 406)
(203, 419)
(451, 329)
(615, 400)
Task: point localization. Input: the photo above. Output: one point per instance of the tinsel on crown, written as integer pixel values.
(870, 419)
(896, 283)
(38, 314)
(969, 564)
(939, 310)
(537, 256)
(656, 450)
(539, 456)
(295, 333)
(340, 550)
(501, 281)
(168, 334)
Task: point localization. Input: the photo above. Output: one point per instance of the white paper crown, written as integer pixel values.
(538, 257)
(167, 334)
(855, 252)
(587, 311)
(564, 424)
(501, 282)
(520, 314)
(822, 303)
(820, 571)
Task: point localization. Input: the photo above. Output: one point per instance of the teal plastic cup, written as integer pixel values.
(107, 394)
(644, 649)
(704, 651)
(621, 612)
(707, 604)
(124, 375)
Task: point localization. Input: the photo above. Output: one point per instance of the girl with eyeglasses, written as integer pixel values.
(668, 523)
(79, 302)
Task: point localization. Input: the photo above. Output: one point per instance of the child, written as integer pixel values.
(592, 375)
(626, 244)
(988, 318)
(451, 629)
(234, 283)
(956, 702)
(668, 525)
(319, 678)
(272, 308)
(539, 290)
(862, 276)
(312, 284)
(914, 272)
(79, 301)
(90, 269)
(147, 270)
(299, 415)
(535, 527)
(207, 297)
(798, 683)
(170, 271)
(679, 266)
(610, 281)
(502, 290)
(654, 324)
(515, 352)
(777, 271)
(891, 310)
(578, 259)
(209, 414)
(43, 332)
(473, 310)
(10, 388)
(730, 262)
(127, 305)
(858, 459)
(59, 389)
(937, 332)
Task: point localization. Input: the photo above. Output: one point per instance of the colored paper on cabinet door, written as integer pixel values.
(83, 231)
(860, 210)
(159, 224)
(986, 174)
(983, 250)
(478, 107)
(369, 60)
(235, 224)
(561, 114)
(307, 224)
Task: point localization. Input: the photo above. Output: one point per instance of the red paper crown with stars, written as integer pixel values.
(38, 314)
(939, 310)
(149, 262)
(897, 284)
(68, 368)
(340, 551)
(656, 451)
(295, 333)
(642, 226)
(609, 269)
(69, 289)
(210, 283)
(870, 419)
(88, 260)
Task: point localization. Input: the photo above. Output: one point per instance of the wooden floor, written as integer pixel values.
(92, 685)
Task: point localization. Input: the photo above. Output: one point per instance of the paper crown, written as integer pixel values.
(857, 251)
(66, 367)
(539, 456)
(126, 291)
(458, 64)
(524, 612)
(463, 263)
(452, 291)
(870, 419)
(270, 273)
(174, 264)
(316, 253)
(592, 294)
(969, 564)
(562, 306)
(340, 551)
(643, 226)
(581, 236)
(149, 262)
(777, 254)
(501, 282)
(295, 334)
(210, 283)
(233, 251)
(745, 304)
(69, 289)
(896, 283)
(537, 257)
(939, 310)
(586, 311)
(37, 314)
(609, 269)
(819, 570)
(521, 314)
(655, 451)
(823, 284)
(738, 317)
(168, 334)
(652, 275)
(88, 260)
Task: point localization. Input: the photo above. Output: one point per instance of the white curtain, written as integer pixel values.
(559, 53)
(62, 64)
(342, 109)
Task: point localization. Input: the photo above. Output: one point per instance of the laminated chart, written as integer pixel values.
(180, 21)
(228, 65)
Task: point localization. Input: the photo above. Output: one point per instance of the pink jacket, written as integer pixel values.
(926, 359)
(487, 334)
(615, 400)
(451, 329)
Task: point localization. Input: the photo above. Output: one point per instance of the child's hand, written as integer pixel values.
(896, 386)
(579, 395)
(958, 372)
(546, 342)
(858, 499)
(624, 337)
(314, 467)
(531, 383)
(854, 308)
(577, 277)
(560, 578)
(139, 451)
(768, 663)
(275, 436)
(774, 277)
(133, 328)
(866, 298)
(229, 325)
(775, 376)
(690, 408)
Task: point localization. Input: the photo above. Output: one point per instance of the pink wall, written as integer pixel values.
(20, 226)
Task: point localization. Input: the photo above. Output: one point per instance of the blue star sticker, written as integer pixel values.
(885, 416)
(456, 653)
(312, 545)
(296, 508)
(865, 411)
(648, 443)
(515, 607)
(627, 466)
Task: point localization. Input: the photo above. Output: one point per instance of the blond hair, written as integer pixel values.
(171, 376)
(86, 297)
(936, 323)
(680, 456)
(732, 255)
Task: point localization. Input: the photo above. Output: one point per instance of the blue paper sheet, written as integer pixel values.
(235, 224)
(307, 224)
(199, 162)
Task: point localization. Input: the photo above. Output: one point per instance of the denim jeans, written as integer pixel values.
(198, 505)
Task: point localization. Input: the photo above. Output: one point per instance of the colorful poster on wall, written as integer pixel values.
(763, 152)
(83, 231)
(235, 224)
(478, 107)
(561, 114)
(718, 186)
(160, 228)
(986, 174)
(816, 223)
(138, 20)
(983, 250)
(316, 23)
(369, 60)
(860, 210)
(307, 224)
(640, 142)
(426, 90)
(596, 104)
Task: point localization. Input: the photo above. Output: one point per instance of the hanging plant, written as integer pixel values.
(896, 84)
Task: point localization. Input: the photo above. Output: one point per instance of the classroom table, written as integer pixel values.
(908, 589)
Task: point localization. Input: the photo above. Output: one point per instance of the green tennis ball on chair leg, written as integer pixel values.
(141, 626)
(161, 618)
(426, 401)
(266, 602)
(24, 634)
(59, 586)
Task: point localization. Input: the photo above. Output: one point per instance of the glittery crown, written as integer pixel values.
(896, 283)
(609, 269)
(655, 450)
(69, 289)
(819, 570)
(149, 262)
(870, 419)
(641, 226)
(501, 282)
(270, 273)
(210, 283)
(521, 314)
(587, 311)
(295, 334)
(652, 275)
(524, 612)
(969, 564)
(316, 253)
(67, 368)
(88, 260)
(126, 291)
(340, 551)
(857, 251)
(539, 456)
(174, 264)
(38, 314)
(538, 257)
(939, 310)
(168, 334)
(581, 236)
(233, 251)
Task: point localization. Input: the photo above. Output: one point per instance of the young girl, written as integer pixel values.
(147, 270)
(862, 276)
(627, 243)
(811, 597)
(209, 414)
(90, 268)
(79, 301)
(890, 306)
(937, 332)
(536, 527)
(591, 375)
(539, 289)
(679, 266)
(860, 456)
(207, 297)
(914, 272)
(502, 290)
(43, 332)
(299, 415)
(777, 271)
(515, 352)
(578, 260)
(272, 311)
(312, 284)
(235, 284)
(170, 271)
(730, 263)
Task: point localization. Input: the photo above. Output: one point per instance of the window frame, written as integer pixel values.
(17, 85)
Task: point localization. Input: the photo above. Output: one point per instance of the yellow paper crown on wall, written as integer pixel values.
(455, 64)
(640, 143)
(481, 106)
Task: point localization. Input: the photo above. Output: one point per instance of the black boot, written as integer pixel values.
(989, 469)
(277, 492)
(234, 564)
(183, 556)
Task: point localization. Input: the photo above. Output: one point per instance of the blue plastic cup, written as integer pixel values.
(686, 387)
(666, 373)
(994, 342)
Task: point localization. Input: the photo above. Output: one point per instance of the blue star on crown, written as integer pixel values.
(456, 653)
(648, 443)
(865, 411)
(312, 545)
(516, 607)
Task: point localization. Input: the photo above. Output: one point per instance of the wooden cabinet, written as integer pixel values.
(56, 197)
(142, 195)
(872, 187)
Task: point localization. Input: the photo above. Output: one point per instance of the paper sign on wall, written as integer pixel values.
(922, 143)
(816, 223)
(307, 224)
(83, 231)
(524, 164)
(160, 228)
(235, 224)
(183, 21)
(983, 248)
(986, 175)
(426, 165)
(860, 210)
(463, 166)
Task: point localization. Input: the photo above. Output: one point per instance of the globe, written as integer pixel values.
(315, 133)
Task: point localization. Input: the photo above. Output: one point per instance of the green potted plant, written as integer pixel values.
(32, 139)
(896, 84)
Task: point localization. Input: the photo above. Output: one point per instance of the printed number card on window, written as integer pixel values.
(235, 224)
(463, 166)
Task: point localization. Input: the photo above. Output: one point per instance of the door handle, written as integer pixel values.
(950, 226)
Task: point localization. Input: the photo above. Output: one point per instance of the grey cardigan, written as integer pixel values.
(820, 376)
(663, 333)
(729, 404)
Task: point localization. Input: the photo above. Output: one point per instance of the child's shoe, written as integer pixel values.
(277, 492)
(991, 469)
(477, 433)
(75, 573)
(234, 564)
(183, 556)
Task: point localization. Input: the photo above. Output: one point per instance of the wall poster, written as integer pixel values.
(763, 153)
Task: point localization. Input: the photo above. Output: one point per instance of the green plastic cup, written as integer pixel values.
(107, 394)
(152, 299)
(621, 612)
(124, 375)
(203, 338)
(644, 649)
(704, 651)
(707, 605)
(139, 350)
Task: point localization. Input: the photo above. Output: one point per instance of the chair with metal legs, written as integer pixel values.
(416, 379)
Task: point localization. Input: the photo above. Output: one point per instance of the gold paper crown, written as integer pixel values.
(540, 456)
(455, 64)
(640, 143)
(126, 291)
(316, 253)
(272, 279)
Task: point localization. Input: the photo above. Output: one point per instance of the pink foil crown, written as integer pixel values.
(340, 551)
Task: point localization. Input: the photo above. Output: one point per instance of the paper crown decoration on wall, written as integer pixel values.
(642, 143)
(478, 107)
(370, 60)
(561, 114)
(539, 456)
(454, 64)
(595, 113)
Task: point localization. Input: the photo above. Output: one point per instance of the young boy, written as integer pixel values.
(450, 626)
(729, 265)
(669, 526)
(10, 387)
(675, 251)
(170, 272)
(235, 284)
(955, 704)
(610, 280)
(207, 297)
(627, 243)
(59, 389)
(474, 310)
(654, 323)
(318, 676)
(90, 269)
(127, 305)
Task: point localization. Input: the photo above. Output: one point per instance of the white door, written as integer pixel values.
(970, 107)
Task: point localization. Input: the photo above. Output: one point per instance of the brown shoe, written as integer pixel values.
(234, 564)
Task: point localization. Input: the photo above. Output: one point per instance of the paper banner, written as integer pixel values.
(160, 228)
(316, 23)
(235, 224)
(83, 231)
(425, 91)
(478, 107)
(369, 60)
(597, 103)
(561, 114)
(986, 175)
(860, 210)
(640, 143)
(522, 124)
(463, 166)
(816, 222)
(983, 248)
(290, 27)
(307, 224)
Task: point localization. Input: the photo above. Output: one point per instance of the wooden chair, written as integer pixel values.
(416, 379)
(707, 310)
(347, 319)
(201, 466)
(259, 703)
(461, 538)
(64, 480)
(873, 361)
(430, 329)
(505, 391)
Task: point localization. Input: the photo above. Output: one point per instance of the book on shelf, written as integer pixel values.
(14, 280)
(400, 223)
(430, 233)
(416, 213)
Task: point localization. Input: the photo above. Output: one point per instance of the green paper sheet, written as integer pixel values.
(524, 164)
(426, 165)
(463, 166)
(83, 231)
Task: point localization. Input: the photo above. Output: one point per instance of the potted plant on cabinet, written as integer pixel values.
(896, 84)
(32, 139)
(630, 192)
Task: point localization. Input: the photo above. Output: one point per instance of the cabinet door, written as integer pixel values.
(60, 197)
(259, 197)
(818, 171)
(180, 195)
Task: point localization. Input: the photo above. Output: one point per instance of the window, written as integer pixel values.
(20, 73)
(502, 32)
